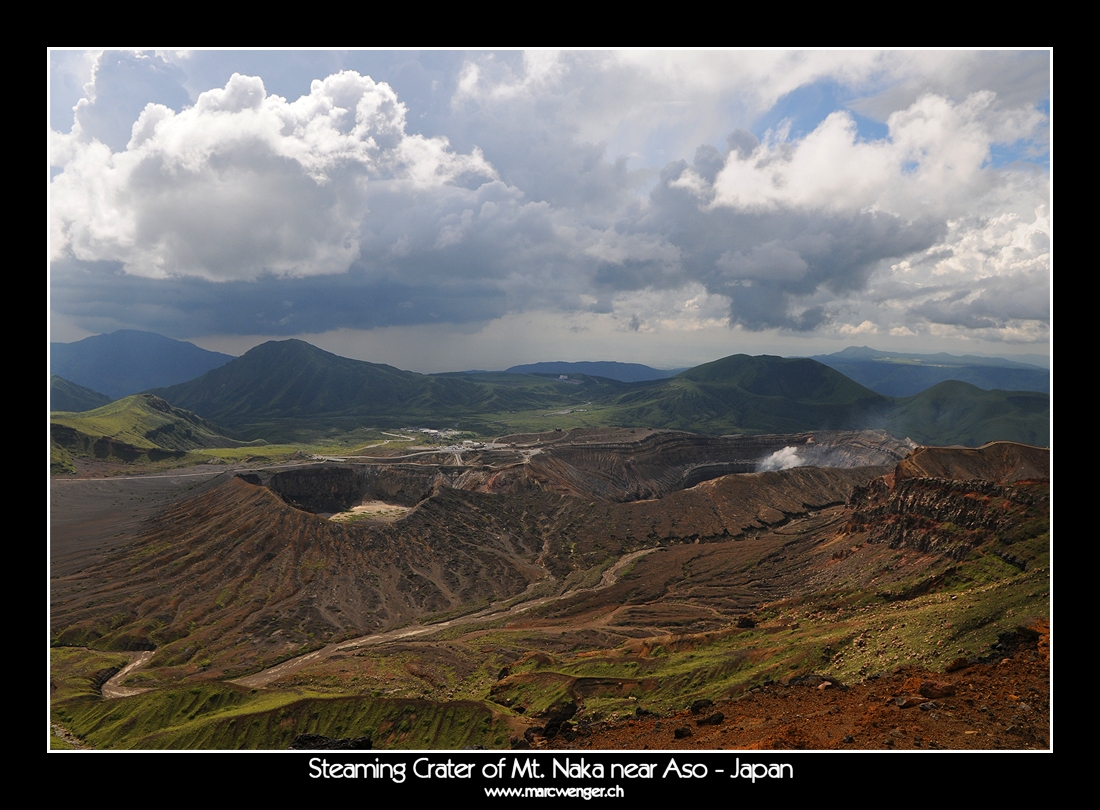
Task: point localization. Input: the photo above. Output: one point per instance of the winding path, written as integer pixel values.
(113, 688)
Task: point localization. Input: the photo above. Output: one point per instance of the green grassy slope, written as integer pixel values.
(959, 413)
(267, 390)
(753, 395)
(216, 716)
(134, 426)
(282, 390)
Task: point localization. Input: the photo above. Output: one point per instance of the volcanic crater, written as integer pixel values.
(599, 552)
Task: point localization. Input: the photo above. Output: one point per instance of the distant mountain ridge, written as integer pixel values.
(940, 358)
(901, 375)
(68, 396)
(129, 361)
(280, 388)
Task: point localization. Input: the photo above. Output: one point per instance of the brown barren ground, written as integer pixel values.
(1001, 704)
(600, 575)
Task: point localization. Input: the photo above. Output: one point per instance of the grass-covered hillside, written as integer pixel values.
(280, 388)
(958, 413)
(141, 426)
(752, 395)
(286, 391)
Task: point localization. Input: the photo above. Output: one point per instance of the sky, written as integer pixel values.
(447, 210)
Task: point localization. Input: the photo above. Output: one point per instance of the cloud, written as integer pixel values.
(120, 86)
(636, 189)
(932, 161)
(1018, 78)
(858, 329)
(811, 220)
(688, 309)
(989, 276)
(782, 267)
(243, 184)
(769, 261)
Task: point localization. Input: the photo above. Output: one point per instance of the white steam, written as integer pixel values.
(783, 459)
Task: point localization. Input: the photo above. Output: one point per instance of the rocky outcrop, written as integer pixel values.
(997, 462)
(104, 447)
(952, 515)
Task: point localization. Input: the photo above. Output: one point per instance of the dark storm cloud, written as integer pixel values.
(768, 262)
(182, 307)
(991, 302)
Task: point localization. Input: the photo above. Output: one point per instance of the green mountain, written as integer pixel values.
(753, 395)
(273, 389)
(134, 427)
(283, 390)
(958, 413)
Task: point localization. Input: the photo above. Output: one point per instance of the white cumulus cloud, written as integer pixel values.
(933, 162)
(243, 183)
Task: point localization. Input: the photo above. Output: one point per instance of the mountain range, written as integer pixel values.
(286, 390)
(128, 362)
(279, 387)
(902, 375)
